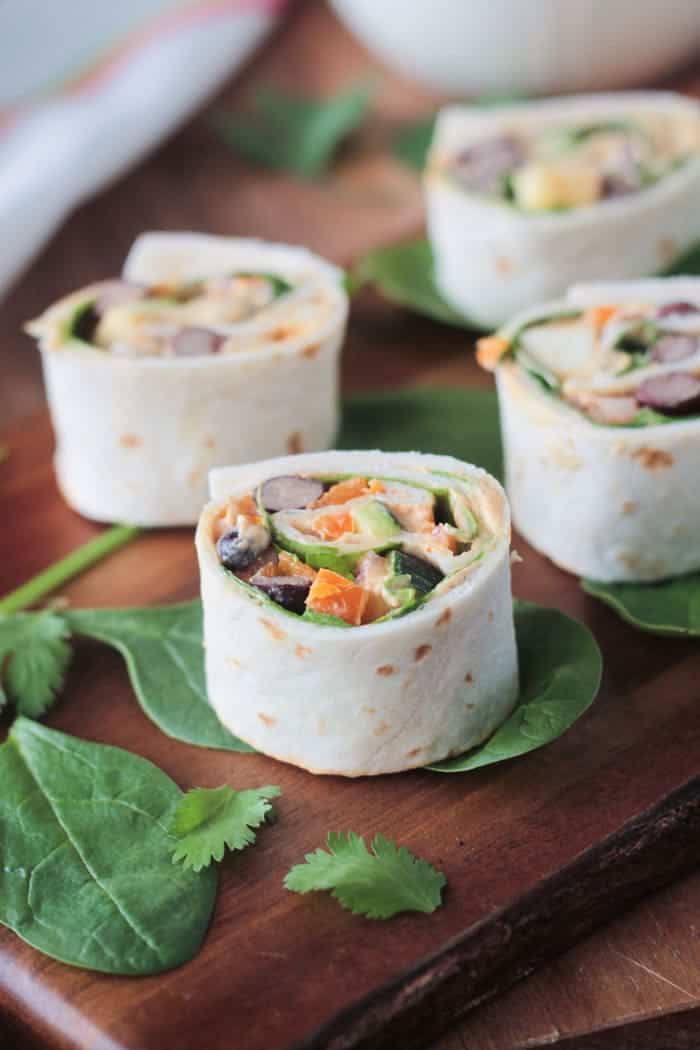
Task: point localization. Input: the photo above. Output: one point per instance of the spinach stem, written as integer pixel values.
(61, 571)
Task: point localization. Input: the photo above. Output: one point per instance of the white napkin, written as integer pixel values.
(143, 69)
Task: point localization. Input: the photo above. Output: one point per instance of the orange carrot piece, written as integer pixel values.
(342, 492)
(600, 315)
(289, 565)
(332, 526)
(489, 350)
(334, 595)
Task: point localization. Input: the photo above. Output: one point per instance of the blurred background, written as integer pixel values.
(119, 118)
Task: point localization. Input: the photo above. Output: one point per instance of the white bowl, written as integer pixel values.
(491, 47)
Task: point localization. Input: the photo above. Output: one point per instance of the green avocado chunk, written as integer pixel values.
(376, 520)
(424, 576)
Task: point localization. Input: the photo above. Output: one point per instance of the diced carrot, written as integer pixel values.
(600, 315)
(342, 492)
(490, 350)
(290, 565)
(334, 595)
(332, 526)
(376, 486)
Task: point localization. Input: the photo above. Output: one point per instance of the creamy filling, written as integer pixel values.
(218, 315)
(352, 550)
(563, 166)
(625, 364)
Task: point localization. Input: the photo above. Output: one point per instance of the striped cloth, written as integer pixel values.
(86, 89)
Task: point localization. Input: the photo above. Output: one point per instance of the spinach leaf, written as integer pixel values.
(560, 670)
(162, 646)
(453, 421)
(403, 274)
(412, 142)
(294, 133)
(87, 874)
(669, 607)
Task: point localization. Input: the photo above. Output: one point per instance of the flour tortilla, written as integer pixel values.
(492, 260)
(136, 436)
(364, 700)
(609, 503)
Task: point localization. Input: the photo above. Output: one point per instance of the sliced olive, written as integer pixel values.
(674, 393)
(674, 347)
(238, 552)
(195, 342)
(288, 591)
(290, 492)
(680, 307)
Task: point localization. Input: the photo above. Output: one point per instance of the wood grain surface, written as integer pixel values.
(275, 966)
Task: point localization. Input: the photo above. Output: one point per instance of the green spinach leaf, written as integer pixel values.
(456, 422)
(560, 671)
(292, 133)
(670, 607)
(87, 874)
(412, 142)
(162, 646)
(403, 274)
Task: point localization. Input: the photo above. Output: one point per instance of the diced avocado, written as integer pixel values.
(462, 514)
(319, 555)
(423, 576)
(375, 519)
(81, 323)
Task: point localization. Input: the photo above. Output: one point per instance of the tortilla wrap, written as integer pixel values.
(492, 259)
(372, 699)
(612, 503)
(137, 436)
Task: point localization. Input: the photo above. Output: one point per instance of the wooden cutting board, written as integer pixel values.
(275, 966)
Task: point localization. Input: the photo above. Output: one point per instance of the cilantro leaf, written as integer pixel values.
(378, 884)
(34, 656)
(207, 820)
(294, 133)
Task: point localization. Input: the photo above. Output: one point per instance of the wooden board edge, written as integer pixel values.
(667, 1030)
(656, 847)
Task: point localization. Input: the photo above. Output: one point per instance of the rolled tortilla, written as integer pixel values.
(137, 432)
(493, 259)
(376, 698)
(599, 481)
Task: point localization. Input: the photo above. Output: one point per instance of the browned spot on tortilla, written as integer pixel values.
(421, 652)
(294, 443)
(277, 633)
(381, 728)
(267, 720)
(368, 710)
(653, 458)
(385, 670)
(311, 351)
(444, 617)
(210, 442)
(414, 752)
(130, 441)
(277, 335)
(504, 264)
(490, 616)
(233, 662)
(195, 476)
(469, 678)
(302, 651)
(630, 506)
(668, 249)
